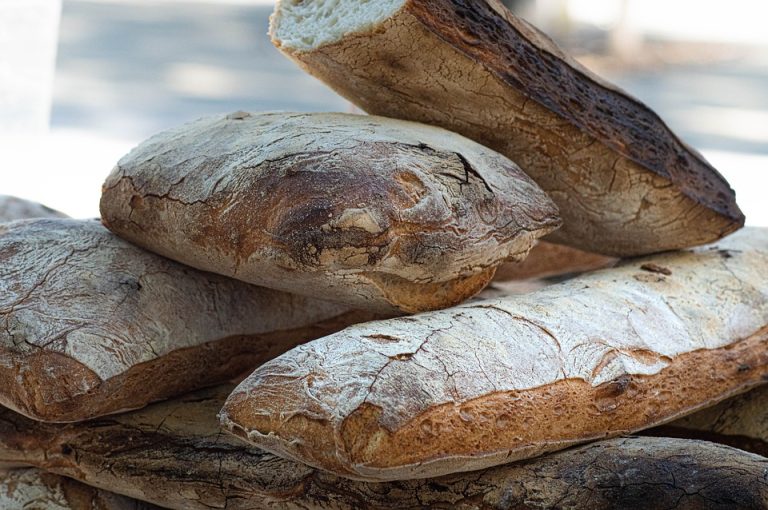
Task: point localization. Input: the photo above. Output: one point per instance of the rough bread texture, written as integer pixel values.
(624, 183)
(32, 489)
(14, 208)
(546, 260)
(380, 214)
(90, 324)
(504, 379)
(174, 455)
(741, 421)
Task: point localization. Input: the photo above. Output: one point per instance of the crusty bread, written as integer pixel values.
(741, 421)
(174, 455)
(625, 184)
(498, 380)
(546, 260)
(91, 324)
(14, 208)
(380, 214)
(32, 489)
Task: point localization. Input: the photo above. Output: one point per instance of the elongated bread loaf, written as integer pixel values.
(741, 421)
(504, 379)
(625, 184)
(90, 324)
(32, 489)
(14, 208)
(548, 259)
(385, 215)
(174, 455)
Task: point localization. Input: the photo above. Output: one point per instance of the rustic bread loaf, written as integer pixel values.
(93, 325)
(174, 455)
(504, 379)
(625, 184)
(741, 421)
(32, 489)
(14, 208)
(380, 214)
(548, 259)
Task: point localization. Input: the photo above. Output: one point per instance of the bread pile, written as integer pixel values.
(292, 310)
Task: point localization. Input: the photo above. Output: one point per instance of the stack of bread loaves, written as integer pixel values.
(341, 261)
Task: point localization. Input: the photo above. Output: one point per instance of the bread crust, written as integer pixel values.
(504, 379)
(90, 324)
(624, 182)
(385, 215)
(174, 455)
(14, 208)
(32, 489)
(546, 260)
(741, 422)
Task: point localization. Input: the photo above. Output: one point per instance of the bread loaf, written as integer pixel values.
(13, 208)
(91, 324)
(32, 489)
(380, 214)
(741, 421)
(624, 182)
(173, 454)
(504, 379)
(546, 260)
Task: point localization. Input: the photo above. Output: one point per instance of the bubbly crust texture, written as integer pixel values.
(14, 208)
(380, 214)
(498, 380)
(624, 182)
(547, 260)
(90, 324)
(173, 454)
(32, 489)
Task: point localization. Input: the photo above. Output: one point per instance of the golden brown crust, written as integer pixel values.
(90, 324)
(504, 379)
(41, 384)
(173, 454)
(624, 183)
(556, 416)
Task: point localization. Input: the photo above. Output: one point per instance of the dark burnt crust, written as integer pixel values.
(616, 119)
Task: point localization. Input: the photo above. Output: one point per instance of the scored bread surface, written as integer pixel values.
(380, 214)
(90, 324)
(502, 379)
(624, 182)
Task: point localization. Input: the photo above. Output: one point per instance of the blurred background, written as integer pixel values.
(83, 81)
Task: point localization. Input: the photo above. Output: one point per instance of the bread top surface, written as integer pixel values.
(14, 208)
(347, 206)
(596, 331)
(623, 180)
(72, 288)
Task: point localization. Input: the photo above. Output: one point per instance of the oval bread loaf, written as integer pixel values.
(380, 214)
(90, 324)
(173, 454)
(32, 489)
(498, 380)
(624, 182)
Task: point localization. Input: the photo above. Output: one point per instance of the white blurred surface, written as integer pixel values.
(28, 35)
